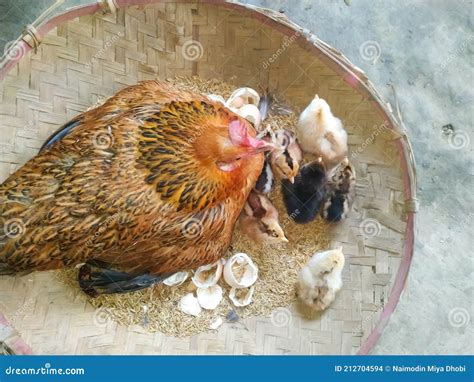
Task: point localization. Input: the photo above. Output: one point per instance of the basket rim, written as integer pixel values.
(351, 74)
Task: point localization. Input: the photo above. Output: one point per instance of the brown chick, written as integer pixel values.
(259, 220)
(149, 184)
(340, 192)
(287, 157)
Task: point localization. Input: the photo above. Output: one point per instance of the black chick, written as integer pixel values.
(340, 193)
(304, 197)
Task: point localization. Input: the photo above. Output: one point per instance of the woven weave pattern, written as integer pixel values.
(91, 58)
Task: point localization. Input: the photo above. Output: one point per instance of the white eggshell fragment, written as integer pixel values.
(210, 297)
(240, 271)
(208, 275)
(216, 323)
(190, 305)
(251, 114)
(216, 98)
(241, 297)
(248, 95)
(177, 279)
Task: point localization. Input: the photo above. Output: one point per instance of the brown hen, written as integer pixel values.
(148, 184)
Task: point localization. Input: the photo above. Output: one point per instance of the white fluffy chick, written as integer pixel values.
(319, 132)
(320, 279)
(259, 220)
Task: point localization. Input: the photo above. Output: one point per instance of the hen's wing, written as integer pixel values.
(142, 94)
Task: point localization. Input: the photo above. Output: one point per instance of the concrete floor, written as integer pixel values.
(425, 50)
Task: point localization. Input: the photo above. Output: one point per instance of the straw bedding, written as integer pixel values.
(156, 308)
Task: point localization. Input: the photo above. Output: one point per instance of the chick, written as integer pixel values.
(341, 192)
(266, 179)
(321, 133)
(259, 220)
(304, 197)
(320, 279)
(286, 160)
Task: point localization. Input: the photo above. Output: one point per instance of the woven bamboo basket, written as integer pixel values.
(60, 67)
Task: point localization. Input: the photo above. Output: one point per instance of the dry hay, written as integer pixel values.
(156, 308)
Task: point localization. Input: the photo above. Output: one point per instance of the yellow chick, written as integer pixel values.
(286, 159)
(319, 132)
(320, 279)
(259, 220)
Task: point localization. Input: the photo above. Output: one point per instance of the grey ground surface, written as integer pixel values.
(425, 49)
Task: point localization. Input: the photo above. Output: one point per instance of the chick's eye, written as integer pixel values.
(274, 234)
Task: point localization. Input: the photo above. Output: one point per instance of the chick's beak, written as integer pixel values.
(292, 179)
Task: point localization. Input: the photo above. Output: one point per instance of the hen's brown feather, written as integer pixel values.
(130, 185)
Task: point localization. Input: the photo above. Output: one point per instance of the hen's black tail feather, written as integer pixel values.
(108, 281)
(6, 270)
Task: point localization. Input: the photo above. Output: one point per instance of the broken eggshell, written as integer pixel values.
(240, 271)
(177, 279)
(216, 323)
(242, 296)
(210, 297)
(251, 114)
(243, 96)
(190, 305)
(208, 275)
